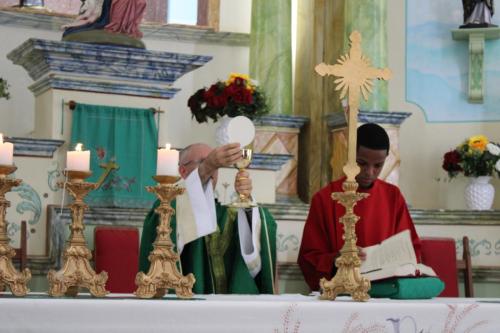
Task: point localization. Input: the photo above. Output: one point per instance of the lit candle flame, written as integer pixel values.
(1, 138)
(167, 146)
(78, 147)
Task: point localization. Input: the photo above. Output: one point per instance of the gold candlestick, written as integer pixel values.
(17, 281)
(163, 273)
(356, 75)
(76, 271)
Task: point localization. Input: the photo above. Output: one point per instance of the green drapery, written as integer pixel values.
(125, 136)
(218, 272)
(271, 52)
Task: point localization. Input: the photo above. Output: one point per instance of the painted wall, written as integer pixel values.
(423, 143)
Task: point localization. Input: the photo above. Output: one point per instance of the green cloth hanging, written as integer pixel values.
(126, 136)
(215, 274)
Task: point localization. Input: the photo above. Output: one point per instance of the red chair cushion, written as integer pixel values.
(440, 254)
(116, 252)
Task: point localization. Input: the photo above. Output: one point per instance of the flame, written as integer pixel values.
(167, 146)
(78, 147)
(1, 138)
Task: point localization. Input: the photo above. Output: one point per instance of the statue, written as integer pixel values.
(107, 22)
(477, 13)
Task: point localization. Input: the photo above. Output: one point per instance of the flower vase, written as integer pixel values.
(479, 194)
(221, 133)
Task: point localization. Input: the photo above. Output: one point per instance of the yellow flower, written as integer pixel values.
(478, 142)
(234, 76)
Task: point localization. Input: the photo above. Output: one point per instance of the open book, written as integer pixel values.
(395, 256)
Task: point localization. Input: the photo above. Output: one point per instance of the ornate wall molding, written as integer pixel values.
(103, 68)
(34, 147)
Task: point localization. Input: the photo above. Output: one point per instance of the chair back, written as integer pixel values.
(465, 265)
(440, 254)
(22, 251)
(116, 251)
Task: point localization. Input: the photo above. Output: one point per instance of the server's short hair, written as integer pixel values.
(373, 136)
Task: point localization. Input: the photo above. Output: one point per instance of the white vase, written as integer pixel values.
(479, 194)
(221, 134)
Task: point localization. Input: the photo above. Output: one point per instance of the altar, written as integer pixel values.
(227, 313)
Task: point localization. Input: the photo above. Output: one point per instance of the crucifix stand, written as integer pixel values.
(354, 76)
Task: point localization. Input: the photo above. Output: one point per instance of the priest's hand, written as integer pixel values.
(243, 183)
(224, 156)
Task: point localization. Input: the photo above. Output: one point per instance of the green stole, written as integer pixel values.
(215, 260)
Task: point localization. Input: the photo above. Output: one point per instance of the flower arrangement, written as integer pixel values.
(475, 157)
(4, 89)
(238, 96)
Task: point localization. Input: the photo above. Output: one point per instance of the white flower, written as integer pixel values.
(493, 149)
(497, 166)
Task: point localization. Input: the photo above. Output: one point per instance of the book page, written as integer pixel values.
(394, 251)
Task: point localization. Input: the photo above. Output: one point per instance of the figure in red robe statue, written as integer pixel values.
(107, 22)
(383, 214)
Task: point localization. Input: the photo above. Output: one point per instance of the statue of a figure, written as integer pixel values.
(107, 22)
(478, 13)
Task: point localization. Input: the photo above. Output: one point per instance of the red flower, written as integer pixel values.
(232, 98)
(215, 97)
(243, 96)
(451, 161)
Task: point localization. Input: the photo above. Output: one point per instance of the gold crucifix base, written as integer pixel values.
(76, 271)
(348, 279)
(163, 273)
(9, 276)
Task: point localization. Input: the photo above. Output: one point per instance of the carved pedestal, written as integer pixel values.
(163, 273)
(9, 276)
(348, 279)
(76, 271)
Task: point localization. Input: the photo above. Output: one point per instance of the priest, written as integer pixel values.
(383, 214)
(228, 250)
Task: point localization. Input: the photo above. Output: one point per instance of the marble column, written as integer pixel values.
(370, 19)
(270, 52)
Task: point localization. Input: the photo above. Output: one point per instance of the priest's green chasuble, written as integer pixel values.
(215, 260)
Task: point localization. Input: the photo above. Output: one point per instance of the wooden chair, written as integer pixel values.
(22, 252)
(440, 254)
(465, 265)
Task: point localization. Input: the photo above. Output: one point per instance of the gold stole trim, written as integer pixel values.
(217, 245)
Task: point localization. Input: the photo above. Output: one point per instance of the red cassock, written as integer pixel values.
(383, 214)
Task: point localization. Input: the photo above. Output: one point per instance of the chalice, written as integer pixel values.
(243, 201)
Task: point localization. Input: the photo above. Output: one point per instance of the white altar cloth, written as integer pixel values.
(232, 313)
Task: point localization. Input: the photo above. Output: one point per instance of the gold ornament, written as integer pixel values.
(9, 276)
(163, 273)
(76, 271)
(355, 76)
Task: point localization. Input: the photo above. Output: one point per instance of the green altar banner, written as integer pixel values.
(122, 144)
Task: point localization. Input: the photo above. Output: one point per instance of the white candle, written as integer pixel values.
(6, 152)
(78, 160)
(167, 162)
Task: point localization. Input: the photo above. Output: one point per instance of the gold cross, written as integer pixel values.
(355, 76)
(108, 167)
